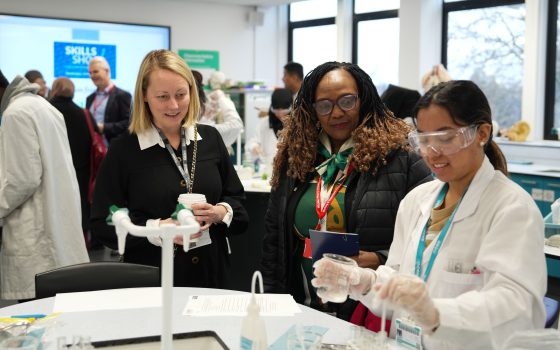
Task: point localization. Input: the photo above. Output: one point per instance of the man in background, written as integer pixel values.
(39, 196)
(109, 105)
(34, 76)
(293, 77)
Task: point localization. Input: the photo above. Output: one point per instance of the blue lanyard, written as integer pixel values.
(440, 239)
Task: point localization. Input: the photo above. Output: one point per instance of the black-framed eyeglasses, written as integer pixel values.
(345, 102)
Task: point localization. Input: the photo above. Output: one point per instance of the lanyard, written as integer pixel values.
(322, 211)
(101, 99)
(440, 239)
(183, 168)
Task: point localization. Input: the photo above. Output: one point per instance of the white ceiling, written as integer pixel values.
(249, 2)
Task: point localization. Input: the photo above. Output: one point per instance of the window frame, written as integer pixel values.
(367, 16)
(303, 24)
(550, 70)
(464, 6)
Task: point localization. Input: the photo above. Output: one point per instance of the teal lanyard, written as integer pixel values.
(440, 239)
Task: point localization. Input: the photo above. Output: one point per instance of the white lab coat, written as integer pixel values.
(265, 139)
(499, 230)
(221, 107)
(39, 195)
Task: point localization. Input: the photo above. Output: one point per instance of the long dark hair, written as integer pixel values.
(467, 105)
(377, 134)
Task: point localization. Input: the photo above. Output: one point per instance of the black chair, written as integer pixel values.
(95, 276)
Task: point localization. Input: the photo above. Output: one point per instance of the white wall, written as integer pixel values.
(247, 51)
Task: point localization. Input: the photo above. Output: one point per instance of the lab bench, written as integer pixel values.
(542, 182)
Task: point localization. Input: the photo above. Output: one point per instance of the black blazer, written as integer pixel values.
(148, 183)
(117, 112)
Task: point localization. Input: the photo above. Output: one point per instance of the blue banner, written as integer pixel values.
(71, 59)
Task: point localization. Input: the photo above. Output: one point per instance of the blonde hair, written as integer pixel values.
(62, 87)
(161, 59)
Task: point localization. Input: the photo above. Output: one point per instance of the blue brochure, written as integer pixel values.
(347, 244)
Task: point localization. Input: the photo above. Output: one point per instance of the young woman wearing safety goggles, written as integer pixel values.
(466, 267)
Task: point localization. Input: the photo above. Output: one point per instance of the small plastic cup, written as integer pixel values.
(339, 292)
(23, 342)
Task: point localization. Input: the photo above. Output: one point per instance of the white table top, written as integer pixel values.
(132, 323)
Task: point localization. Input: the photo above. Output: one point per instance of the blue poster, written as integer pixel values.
(71, 59)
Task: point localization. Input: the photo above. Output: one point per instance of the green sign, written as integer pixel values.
(201, 59)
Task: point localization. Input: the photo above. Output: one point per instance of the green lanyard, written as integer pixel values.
(440, 239)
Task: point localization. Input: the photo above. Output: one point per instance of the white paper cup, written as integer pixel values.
(188, 199)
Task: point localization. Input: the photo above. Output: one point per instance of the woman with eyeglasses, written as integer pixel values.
(342, 165)
(466, 264)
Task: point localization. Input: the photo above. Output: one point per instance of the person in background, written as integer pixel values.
(39, 195)
(438, 74)
(466, 263)
(145, 171)
(219, 111)
(400, 101)
(79, 138)
(34, 76)
(293, 77)
(342, 146)
(263, 145)
(109, 105)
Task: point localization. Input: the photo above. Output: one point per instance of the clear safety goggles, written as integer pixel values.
(325, 107)
(443, 142)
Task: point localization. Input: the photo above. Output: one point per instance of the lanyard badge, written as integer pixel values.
(408, 335)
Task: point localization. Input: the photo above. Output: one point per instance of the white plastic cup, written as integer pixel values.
(339, 292)
(188, 199)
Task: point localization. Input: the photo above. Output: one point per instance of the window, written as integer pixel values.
(552, 94)
(312, 36)
(365, 6)
(376, 53)
(312, 9)
(484, 41)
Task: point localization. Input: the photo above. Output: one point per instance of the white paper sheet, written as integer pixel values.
(112, 299)
(236, 305)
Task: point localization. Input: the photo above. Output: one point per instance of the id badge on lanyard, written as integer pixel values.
(408, 334)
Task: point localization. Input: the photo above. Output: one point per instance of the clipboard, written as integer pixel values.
(347, 244)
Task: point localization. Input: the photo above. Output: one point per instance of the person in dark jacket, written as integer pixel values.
(109, 105)
(400, 101)
(340, 142)
(78, 136)
(167, 154)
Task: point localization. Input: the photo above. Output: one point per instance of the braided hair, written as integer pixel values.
(377, 134)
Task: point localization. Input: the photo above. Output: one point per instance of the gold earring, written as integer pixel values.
(481, 143)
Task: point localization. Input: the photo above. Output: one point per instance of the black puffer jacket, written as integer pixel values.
(371, 203)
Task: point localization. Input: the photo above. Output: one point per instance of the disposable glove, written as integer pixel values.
(410, 293)
(329, 274)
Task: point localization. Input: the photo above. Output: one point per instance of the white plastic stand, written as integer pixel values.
(167, 232)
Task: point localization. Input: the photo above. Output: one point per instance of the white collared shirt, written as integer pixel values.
(150, 137)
